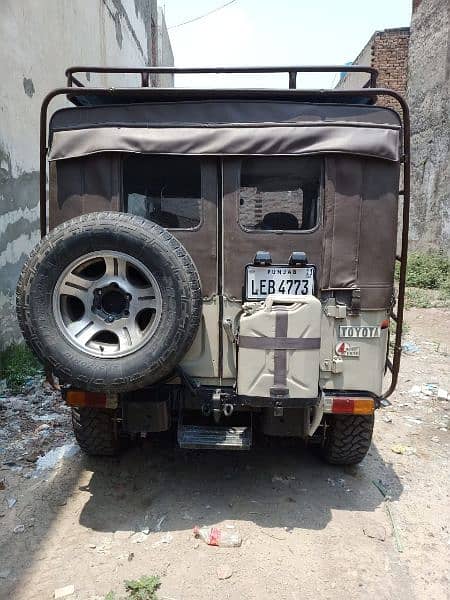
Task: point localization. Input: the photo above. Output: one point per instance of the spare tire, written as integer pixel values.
(109, 301)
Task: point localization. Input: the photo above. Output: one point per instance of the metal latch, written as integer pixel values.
(338, 311)
(335, 365)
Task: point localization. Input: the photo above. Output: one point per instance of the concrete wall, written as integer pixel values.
(165, 54)
(358, 80)
(415, 61)
(428, 96)
(38, 40)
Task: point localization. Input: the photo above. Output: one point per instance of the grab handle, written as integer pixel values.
(286, 299)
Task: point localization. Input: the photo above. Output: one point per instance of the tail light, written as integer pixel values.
(349, 405)
(80, 398)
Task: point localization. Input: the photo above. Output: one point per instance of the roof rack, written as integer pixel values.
(292, 72)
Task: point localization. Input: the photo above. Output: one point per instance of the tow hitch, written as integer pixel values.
(218, 405)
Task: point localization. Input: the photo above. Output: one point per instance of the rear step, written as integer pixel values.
(214, 438)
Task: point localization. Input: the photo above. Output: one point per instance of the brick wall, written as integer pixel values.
(390, 58)
(386, 51)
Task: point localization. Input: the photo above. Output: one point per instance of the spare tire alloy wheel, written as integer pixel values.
(107, 304)
(109, 301)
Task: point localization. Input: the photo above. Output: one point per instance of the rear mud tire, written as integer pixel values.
(348, 439)
(96, 431)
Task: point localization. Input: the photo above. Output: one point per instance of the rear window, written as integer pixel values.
(280, 193)
(164, 189)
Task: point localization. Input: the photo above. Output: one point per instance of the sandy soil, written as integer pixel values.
(310, 530)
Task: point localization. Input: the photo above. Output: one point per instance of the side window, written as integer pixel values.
(164, 189)
(279, 193)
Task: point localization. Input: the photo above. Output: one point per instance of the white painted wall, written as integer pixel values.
(39, 39)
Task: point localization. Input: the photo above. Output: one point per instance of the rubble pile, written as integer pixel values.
(32, 422)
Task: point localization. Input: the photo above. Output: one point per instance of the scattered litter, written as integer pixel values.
(52, 457)
(375, 531)
(387, 502)
(387, 419)
(415, 390)
(35, 420)
(130, 556)
(160, 522)
(46, 418)
(435, 439)
(414, 420)
(146, 530)
(283, 478)
(224, 572)
(42, 429)
(442, 394)
(410, 347)
(430, 389)
(19, 529)
(336, 482)
(11, 502)
(166, 539)
(401, 449)
(213, 536)
(63, 592)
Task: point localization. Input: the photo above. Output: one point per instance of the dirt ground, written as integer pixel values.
(309, 530)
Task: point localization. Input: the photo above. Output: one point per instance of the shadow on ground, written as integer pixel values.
(276, 486)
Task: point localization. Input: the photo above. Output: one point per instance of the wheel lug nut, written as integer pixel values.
(109, 319)
(126, 313)
(128, 296)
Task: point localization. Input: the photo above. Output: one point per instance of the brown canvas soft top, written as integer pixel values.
(226, 128)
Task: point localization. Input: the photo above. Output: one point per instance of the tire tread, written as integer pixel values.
(95, 431)
(348, 438)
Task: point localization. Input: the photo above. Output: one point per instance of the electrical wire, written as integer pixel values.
(202, 16)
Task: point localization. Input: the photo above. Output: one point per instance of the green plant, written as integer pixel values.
(427, 270)
(417, 298)
(444, 291)
(17, 364)
(144, 588)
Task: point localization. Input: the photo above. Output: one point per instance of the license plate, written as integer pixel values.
(276, 279)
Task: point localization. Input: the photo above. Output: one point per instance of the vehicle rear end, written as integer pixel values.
(221, 262)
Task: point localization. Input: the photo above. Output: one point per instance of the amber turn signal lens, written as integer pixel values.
(80, 398)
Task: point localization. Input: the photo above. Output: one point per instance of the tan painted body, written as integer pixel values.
(363, 372)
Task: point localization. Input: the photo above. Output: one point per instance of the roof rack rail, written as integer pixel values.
(292, 72)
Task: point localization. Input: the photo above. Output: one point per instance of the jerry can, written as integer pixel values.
(278, 348)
